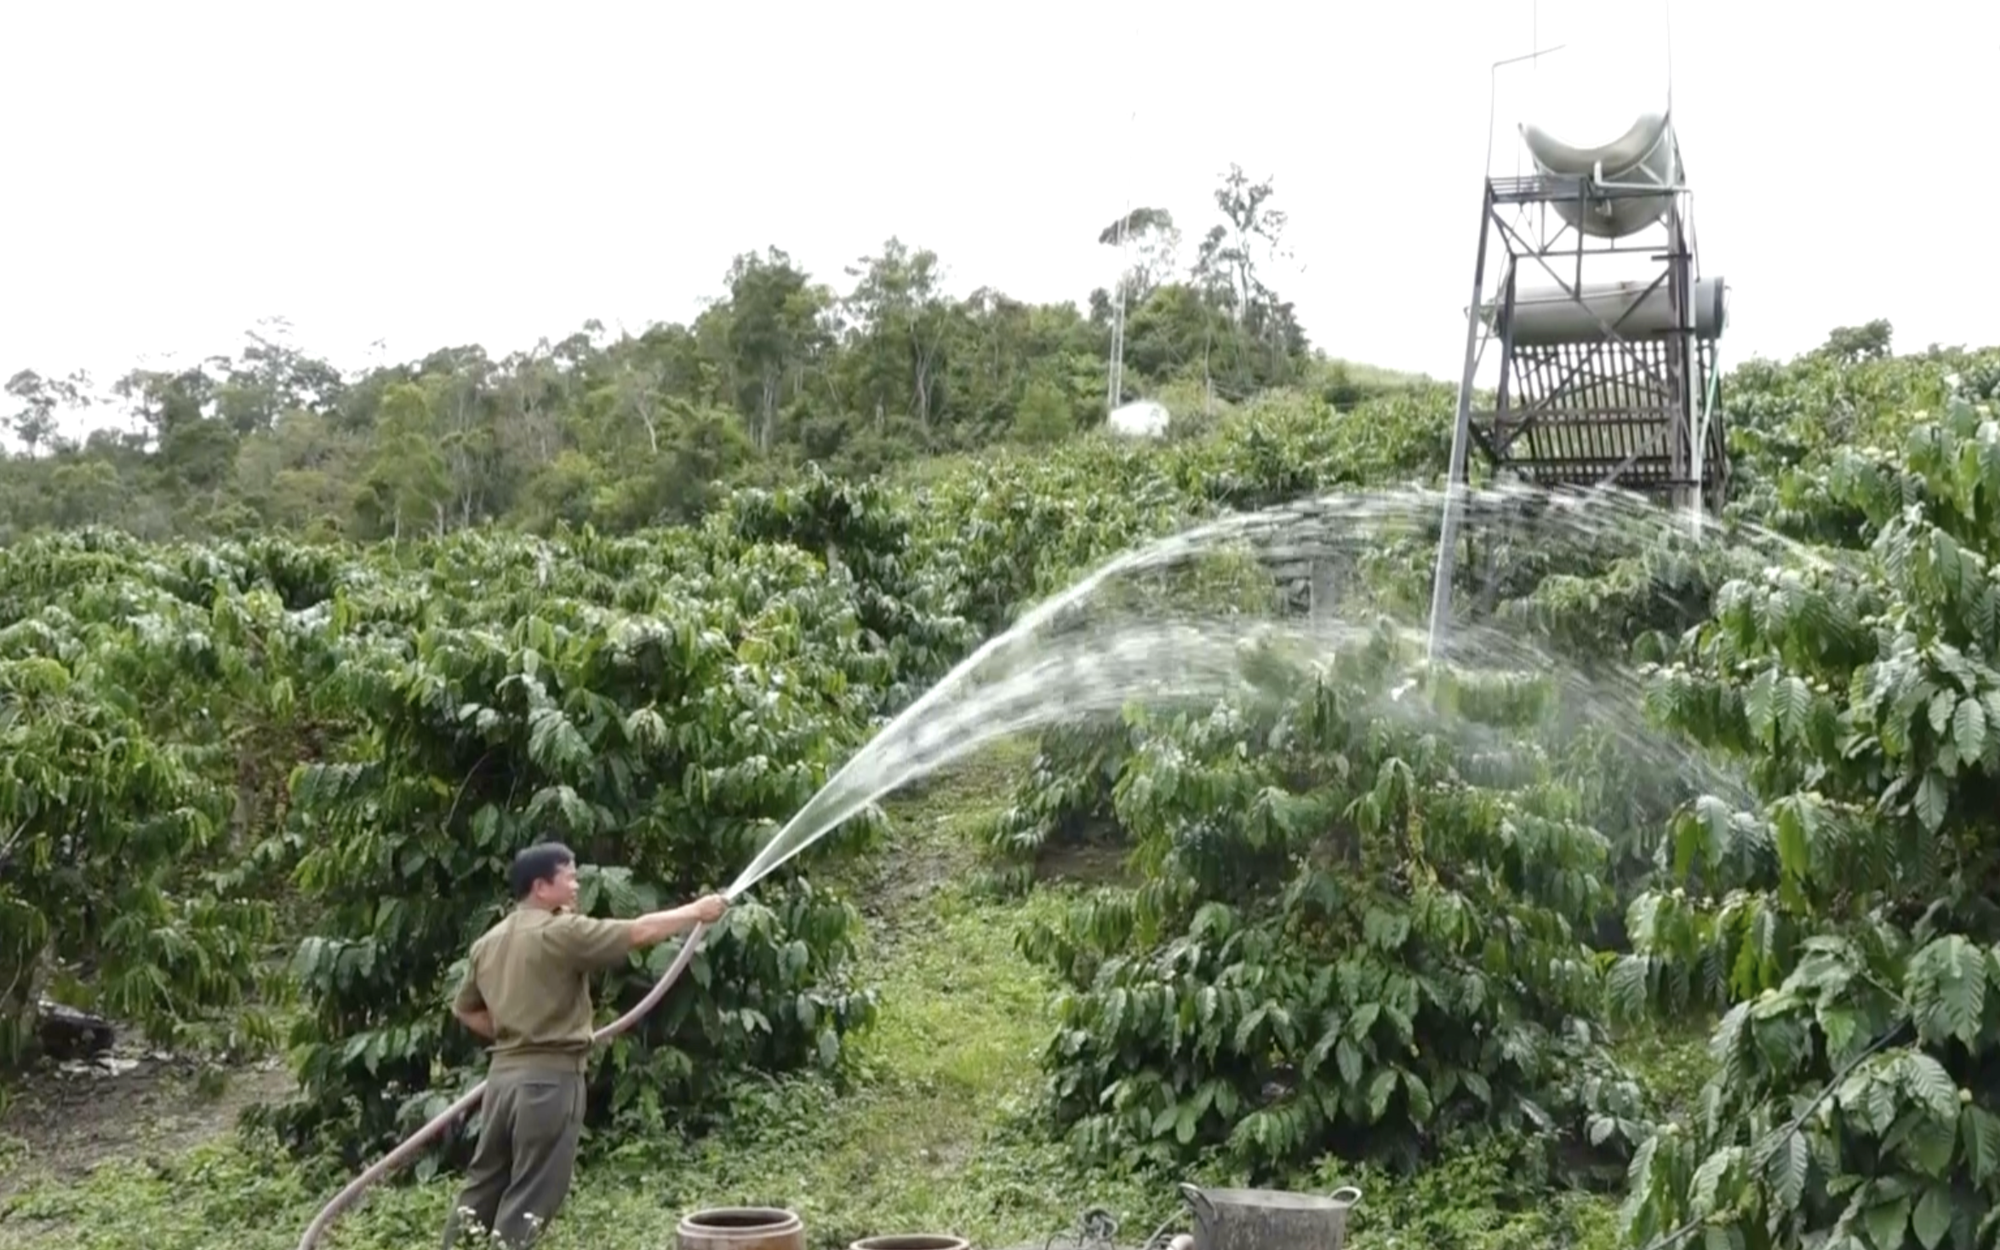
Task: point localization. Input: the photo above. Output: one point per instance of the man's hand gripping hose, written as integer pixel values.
(422, 1137)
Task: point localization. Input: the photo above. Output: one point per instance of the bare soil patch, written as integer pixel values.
(64, 1119)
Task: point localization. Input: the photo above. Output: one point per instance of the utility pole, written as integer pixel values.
(1115, 385)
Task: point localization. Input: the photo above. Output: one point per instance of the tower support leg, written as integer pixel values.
(1461, 435)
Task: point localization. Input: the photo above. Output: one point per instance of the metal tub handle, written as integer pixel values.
(1204, 1210)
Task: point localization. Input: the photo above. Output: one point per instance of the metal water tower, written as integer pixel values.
(1588, 283)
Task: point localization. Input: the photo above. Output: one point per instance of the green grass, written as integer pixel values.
(1673, 1062)
(932, 1135)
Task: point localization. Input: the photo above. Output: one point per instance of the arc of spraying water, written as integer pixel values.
(774, 853)
(781, 847)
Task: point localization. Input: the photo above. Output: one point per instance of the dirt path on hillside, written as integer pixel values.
(64, 1120)
(931, 844)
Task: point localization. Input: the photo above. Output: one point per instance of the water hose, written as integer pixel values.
(422, 1137)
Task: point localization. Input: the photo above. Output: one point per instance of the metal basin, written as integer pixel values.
(1269, 1219)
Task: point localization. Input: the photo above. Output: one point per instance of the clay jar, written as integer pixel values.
(741, 1228)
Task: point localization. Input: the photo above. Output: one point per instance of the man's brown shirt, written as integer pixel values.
(531, 971)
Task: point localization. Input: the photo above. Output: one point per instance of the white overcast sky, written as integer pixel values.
(430, 173)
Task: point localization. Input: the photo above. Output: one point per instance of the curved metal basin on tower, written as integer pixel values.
(1644, 156)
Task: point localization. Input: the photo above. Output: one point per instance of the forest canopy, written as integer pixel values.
(859, 374)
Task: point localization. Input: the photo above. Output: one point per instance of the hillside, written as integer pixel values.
(1662, 913)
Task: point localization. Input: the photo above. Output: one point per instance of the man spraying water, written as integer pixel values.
(947, 722)
(527, 991)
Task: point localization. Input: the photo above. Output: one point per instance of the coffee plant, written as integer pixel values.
(907, 607)
(658, 717)
(1361, 927)
(1845, 921)
(133, 685)
(1018, 529)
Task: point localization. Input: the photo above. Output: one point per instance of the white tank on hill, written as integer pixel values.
(1142, 418)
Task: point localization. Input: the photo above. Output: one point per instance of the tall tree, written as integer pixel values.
(1229, 269)
(1150, 235)
(773, 332)
(38, 400)
(900, 321)
(409, 485)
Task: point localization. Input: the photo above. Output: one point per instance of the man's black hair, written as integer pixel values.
(539, 862)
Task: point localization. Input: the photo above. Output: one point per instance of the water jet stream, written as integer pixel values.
(1098, 668)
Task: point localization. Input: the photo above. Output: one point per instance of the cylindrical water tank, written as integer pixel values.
(1552, 315)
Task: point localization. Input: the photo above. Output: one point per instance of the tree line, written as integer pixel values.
(620, 431)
